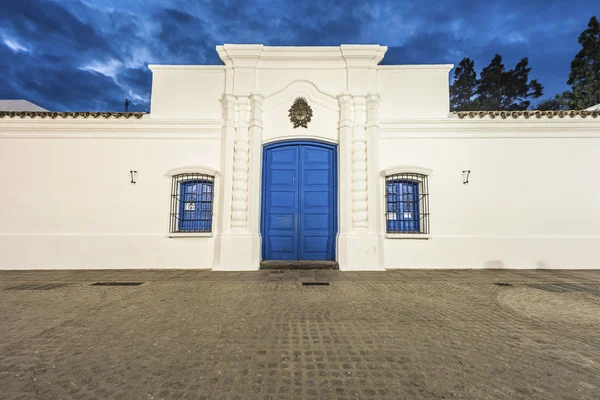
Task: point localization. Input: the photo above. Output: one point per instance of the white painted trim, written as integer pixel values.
(299, 137)
(113, 135)
(585, 133)
(294, 66)
(506, 267)
(541, 236)
(418, 67)
(447, 127)
(408, 236)
(405, 168)
(185, 68)
(503, 237)
(146, 128)
(81, 234)
(199, 169)
(189, 234)
(299, 88)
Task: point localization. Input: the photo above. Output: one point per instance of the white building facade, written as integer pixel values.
(300, 153)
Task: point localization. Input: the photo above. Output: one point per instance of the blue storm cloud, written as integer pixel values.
(89, 55)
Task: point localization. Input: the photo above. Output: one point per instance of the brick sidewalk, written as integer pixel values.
(263, 335)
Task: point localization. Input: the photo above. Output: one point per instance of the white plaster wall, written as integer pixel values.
(187, 91)
(530, 201)
(68, 202)
(327, 80)
(413, 91)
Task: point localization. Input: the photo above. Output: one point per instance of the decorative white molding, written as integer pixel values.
(300, 136)
(346, 107)
(191, 169)
(373, 100)
(255, 163)
(301, 88)
(186, 68)
(488, 127)
(406, 168)
(425, 236)
(228, 107)
(189, 234)
(437, 133)
(114, 135)
(144, 128)
(417, 67)
(359, 166)
(372, 129)
(362, 56)
(240, 55)
(239, 203)
(256, 107)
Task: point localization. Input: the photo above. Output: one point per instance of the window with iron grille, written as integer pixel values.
(407, 203)
(192, 203)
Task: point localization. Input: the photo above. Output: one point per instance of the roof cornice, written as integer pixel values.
(526, 114)
(83, 115)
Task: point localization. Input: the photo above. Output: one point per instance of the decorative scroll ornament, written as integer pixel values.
(300, 113)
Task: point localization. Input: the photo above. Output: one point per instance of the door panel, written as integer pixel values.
(280, 230)
(316, 221)
(299, 202)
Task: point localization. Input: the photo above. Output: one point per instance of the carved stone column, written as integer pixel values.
(227, 143)
(236, 248)
(254, 189)
(346, 123)
(239, 204)
(359, 245)
(372, 131)
(359, 166)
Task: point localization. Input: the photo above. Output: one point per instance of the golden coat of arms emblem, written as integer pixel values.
(300, 113)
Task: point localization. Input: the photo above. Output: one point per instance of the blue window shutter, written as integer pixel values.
(402, 200)
(195, 208)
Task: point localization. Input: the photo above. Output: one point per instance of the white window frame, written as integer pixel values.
(402, 169)
(197, 169)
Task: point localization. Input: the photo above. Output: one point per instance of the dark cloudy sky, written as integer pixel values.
(89, 55)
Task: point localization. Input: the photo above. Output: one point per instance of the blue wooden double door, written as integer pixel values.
(299, 207)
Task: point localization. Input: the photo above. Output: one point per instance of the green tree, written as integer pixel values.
(496, 88)
(510, 90)
(550, 105)
(462, 90)
(584, 77)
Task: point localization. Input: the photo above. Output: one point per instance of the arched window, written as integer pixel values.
(406, 200)
(192, 200)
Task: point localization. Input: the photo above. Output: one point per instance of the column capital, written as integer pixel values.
(243, 102)
(373, 100)
(243, 108)
(228, 105)
(346, 110)
(360, 115)
(254, 96)
(226, 97)
(359, 100)
(256, 101)
(345, 100)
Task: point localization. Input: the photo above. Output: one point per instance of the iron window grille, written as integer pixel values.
(192, 197)
(407, 203)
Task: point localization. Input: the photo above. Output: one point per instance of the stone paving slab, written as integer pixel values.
(194, 334)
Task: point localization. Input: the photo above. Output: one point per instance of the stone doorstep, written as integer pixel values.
(298, 264)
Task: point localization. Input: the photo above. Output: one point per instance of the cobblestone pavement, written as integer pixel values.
(264, 335)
